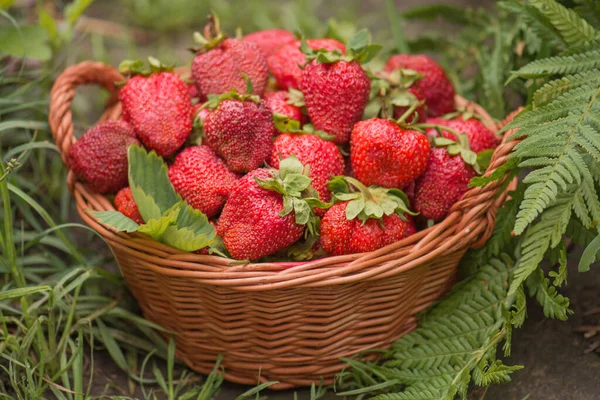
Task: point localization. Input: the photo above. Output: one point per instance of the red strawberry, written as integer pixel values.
(202, 179)
(270, 40)
(323, 157)
(277, 102)
(335, 95)
(158, 106)
(443, 183)
(365, 221)
(266, 212)
(125, 204)
(285, 62)
(435, 85)
(99, 157)
(383, 154)
(241, 132)
(480, 136)
(221, 68)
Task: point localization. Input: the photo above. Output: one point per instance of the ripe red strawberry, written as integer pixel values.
(443, 183)
(125, 204)
(323, 157)
(220, 69)
(435, 85)
(158, 106)
(266, 212)
(99, 157)
(270, 40)
(384, 154)
(240, 132)
(285, 62)
(365, 220)
(480, 136)
(335, 95)
(277, 102)
(202, 179)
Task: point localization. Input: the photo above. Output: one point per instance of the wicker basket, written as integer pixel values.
(293, 324)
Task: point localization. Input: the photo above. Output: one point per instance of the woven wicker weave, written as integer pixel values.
(292, 323)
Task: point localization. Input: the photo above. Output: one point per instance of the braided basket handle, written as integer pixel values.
(61, 98)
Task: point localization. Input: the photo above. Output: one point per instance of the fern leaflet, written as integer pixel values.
(555, 88)
(554, 304)
(562, 64)
(573, 29)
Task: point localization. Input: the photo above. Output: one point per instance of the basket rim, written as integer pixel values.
(469, 223)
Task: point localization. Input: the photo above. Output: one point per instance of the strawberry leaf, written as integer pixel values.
(249, 86)
(295, 98)
(295, 184)
(469, 156)
(302, 211)
(290, 165)
(359, 41)
(191, 230)
(484, 158)
(354, 208)
(115, 220)
(150, 185)
(156, 228)
(285, 124)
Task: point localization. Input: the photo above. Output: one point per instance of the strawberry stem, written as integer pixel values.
(408, 112)
(362, 188)
(440, 127)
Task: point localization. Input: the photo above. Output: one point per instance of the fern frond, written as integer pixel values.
(518, 312)
(590, 10)
(573, 29)
(554, 304)
(563, 65)
(540, 237)
(555, 88)
(561, 163)
(579, 232)
(539, 26)
(560, 276)
(496, 373)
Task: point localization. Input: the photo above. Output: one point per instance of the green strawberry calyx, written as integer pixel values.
(293, 183)
(295, 97)
(389, 89)
(463, 113)
(215, 99)
(211, 37)
(285, 124)
(137, 67)
(368, 202)
(359, 48)
(459, 147)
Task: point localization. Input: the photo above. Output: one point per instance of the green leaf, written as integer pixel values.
(150, 185)
(573, 29)
(560, 277)
(359, 41)
(285, 124)
(115, 220)
(302, 211)
(484, 158)
(5, 4)
(554, 304)
(22, 292)
(156, 228)
(191, 230)
(468, 156)
(590, 255)
(48, 22)
(249, 86)
(28, 41)
(74, 10)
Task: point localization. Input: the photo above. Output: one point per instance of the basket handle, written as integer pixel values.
(61, 98)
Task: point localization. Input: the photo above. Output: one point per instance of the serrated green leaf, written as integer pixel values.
(359, 41)
(290, 165)
(191, 230)
(288, 206)
(156, 227)
(150, 185)
(294, 184)
(373, 209)
(115, 220)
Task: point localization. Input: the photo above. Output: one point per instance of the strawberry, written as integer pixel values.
(278, 103)
(269, 40)
(267, 211)
(336, 88)
(323, 157)
(221, 64)
(125, 204)
(99, 157)
(202, 179)
(443, 183)
(240, 130)
(157, 103)
(285, 62)
(437, 89)
(384, 154)
(365, 220)
(480, 136)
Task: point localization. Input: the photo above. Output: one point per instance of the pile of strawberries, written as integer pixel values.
(290, 147)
